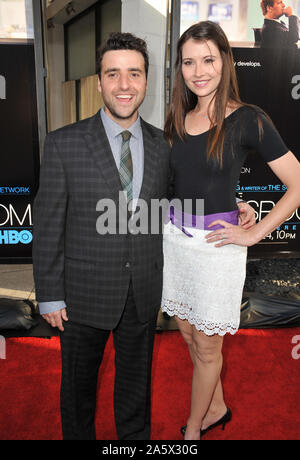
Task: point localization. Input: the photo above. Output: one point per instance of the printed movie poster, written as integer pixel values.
(19, 150)
(270, 79)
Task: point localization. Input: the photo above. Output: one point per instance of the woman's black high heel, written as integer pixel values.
(222, 421)
(225, 419)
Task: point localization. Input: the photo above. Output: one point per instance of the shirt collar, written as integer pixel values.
(113, 129)
(276, 20)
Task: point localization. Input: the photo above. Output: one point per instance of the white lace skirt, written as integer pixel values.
(203, 284)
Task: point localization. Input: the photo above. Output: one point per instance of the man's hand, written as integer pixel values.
(288, 11)
(246, 216)
(55, 318)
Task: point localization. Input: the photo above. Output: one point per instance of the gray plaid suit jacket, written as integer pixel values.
(71, 260)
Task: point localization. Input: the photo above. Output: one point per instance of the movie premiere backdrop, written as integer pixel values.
(271, 79)
(19, 150)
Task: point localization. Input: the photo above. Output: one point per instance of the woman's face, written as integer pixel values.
(201, 67)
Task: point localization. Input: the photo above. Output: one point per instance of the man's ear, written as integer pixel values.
(99, 85)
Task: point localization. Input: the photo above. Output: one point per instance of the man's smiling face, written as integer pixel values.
(123, 85)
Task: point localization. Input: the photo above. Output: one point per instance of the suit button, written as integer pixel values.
(127, 265)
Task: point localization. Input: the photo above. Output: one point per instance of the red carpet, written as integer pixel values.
(261, 383)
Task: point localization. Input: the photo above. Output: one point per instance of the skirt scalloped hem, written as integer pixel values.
(207, 327)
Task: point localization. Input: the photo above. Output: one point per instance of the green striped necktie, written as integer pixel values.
(126, 169)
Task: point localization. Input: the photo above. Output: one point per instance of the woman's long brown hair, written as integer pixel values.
(184, 100)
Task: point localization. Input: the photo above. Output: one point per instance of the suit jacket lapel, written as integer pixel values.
(100, 148)
(151, 160)
(283, 25)
(275, 24)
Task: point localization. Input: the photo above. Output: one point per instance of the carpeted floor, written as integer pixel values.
(261, 378)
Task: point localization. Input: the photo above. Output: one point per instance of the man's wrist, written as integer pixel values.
(50, 307)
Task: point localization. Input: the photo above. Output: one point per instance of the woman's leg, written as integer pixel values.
(217, 407)
(186, 330)
(206, 375)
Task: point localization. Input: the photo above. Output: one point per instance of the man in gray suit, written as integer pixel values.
(89, 284)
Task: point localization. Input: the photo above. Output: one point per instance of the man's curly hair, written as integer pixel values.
(123, 41)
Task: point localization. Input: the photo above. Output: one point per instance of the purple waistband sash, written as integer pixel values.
(182, 219)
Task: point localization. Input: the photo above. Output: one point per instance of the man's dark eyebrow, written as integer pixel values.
(135, 69)
(112, 69)
(115, 69)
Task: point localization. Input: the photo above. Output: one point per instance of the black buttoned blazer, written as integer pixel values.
(71, 260)
(277, 35)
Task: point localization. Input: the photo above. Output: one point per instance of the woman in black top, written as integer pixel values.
(211, 131)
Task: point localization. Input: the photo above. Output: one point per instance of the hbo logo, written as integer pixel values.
(15, 237)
